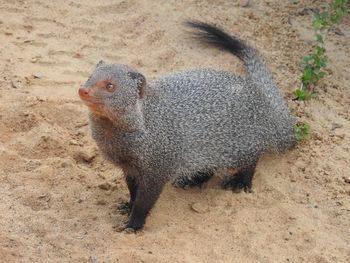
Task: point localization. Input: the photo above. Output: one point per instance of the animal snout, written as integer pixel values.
(83, 92)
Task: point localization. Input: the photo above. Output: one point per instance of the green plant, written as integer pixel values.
(302, 131)
(314, 63)
(304, 94)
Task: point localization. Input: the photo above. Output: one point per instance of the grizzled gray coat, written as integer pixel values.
(188, 123)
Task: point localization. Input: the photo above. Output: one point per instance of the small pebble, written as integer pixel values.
(105, 186)
(87, 154)
(73, 142)
(346, 179)
(37, 76)
(101, 202)
(199, 208)
(336, 126)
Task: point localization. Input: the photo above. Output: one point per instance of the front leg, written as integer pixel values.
(130, 177)
(125, 207)
(132, 186)
(148, 191)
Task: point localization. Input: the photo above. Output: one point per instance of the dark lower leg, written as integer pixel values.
(241, 180)
(125, 207)
(147, 195)
(132, 186)
(198, 179)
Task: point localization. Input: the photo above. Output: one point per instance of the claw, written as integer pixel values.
(124, 208)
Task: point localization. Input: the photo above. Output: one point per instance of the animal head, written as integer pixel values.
(112, 89)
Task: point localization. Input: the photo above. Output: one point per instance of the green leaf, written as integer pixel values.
(307, 76)
(321, 75)
(322, 62)
(301, 94)
(320, 50)
(319, 38)
(307, 59)
(314, 95)
(302, 131)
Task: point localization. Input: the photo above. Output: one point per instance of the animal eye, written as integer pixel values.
(110, 87)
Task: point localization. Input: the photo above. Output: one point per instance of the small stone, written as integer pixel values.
(14, 84)
(77, 55)
(317, 136)
(247, 3)
(346, 179)
(86, 155)
(301, 165)
(43, 196)
(101, 202)
(34, 60)
(73, 142)
(114, 187)
(93, 259)
(339, 134)
(37, 76)
(336, 126)
(66, 163)
(338, 32)
(105, 186)
(199, 208)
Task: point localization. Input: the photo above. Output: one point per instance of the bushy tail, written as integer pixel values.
(257, 71)
(216, 37)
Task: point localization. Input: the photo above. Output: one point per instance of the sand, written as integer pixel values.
(59, 195)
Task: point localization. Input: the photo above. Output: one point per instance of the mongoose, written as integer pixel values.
(187, 124)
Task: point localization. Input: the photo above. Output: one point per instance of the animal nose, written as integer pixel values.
(83, 92)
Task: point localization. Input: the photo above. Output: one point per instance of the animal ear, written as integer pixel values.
(100, 63)
(141, 82)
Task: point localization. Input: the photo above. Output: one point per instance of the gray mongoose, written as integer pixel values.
(187, 124)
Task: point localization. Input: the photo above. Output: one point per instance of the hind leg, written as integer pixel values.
(241, 180)
(198, 179)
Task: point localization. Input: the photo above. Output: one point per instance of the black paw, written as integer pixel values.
(124, 208)
(129, 226)
(124, 228)
(236, 185)
(132, 224)
(197, 179)
(133, 227)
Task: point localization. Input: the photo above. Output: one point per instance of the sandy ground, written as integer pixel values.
(58, 195)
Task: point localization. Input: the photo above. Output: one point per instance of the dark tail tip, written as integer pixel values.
(215, 36)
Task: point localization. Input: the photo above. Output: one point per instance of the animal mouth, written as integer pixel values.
(94, 105)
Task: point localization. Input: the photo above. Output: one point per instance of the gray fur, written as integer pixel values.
(197, 120)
